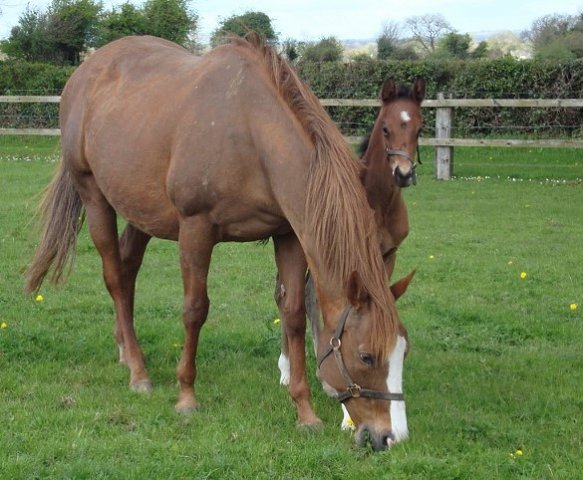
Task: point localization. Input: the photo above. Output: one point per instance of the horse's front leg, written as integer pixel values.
(196, 241)
(292, 266)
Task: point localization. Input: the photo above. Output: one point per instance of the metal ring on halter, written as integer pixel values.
(353, 390)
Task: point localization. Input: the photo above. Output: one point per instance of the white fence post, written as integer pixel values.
(443, 154)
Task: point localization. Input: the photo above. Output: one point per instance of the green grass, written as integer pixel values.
(560, 164)
(495, 364)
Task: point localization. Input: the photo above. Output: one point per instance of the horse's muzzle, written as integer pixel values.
(378, 440)
(405, 179)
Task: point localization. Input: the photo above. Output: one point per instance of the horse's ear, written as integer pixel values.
(388, 91)
(357, 294)
(418, 90)
(400, 286)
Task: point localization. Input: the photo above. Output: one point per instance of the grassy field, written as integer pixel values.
(494, 381)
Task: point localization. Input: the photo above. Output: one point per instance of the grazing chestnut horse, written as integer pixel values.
(389, 160)
(231, 146)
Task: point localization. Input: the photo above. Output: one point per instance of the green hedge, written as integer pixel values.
(21, 78)
(503, 78)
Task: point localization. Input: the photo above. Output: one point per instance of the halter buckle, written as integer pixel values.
(354, 390)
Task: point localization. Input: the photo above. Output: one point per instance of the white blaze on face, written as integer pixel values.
(405, 117)
(395, 385)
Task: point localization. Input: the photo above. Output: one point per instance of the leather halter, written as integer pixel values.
(402, 153)
(353, 390)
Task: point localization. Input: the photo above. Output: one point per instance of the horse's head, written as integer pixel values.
(351, 369)
(400, 122)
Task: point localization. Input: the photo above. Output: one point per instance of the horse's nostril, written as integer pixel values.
(379, 441)
(388, 439)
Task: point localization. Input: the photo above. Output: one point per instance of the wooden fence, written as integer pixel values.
(443, 142)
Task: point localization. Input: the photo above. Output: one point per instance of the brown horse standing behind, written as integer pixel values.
(231, 146)
(389, 160)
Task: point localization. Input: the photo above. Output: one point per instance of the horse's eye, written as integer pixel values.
(385, 131)
(367, 358)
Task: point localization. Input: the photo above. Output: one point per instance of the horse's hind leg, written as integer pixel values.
(313, 311)
(283, 361)
(133, 243)
(101, 220)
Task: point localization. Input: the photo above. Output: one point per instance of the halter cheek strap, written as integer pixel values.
(353, 390)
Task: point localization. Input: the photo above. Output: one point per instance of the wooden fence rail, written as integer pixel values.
(443, 142)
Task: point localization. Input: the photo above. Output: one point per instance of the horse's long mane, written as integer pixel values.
(337, 212)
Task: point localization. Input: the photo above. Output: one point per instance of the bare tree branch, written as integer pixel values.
(426, 29)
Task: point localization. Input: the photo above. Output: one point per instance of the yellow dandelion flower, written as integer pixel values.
(276, 321)
(519, 453)
(39, 298)
(431, 257)
(3, 325)
(523, 275)
(573, 306)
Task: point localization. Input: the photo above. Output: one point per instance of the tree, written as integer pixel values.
(388, 41)
(455, 45)
(557, 37)
(59, 35)
(508, 43)
(547, 29)
(128, 20)
(170, 19)
(28, 40)
(328, 49)
(427, 29)
(481, 51)
(71, 26)
(240, 25)
(292, 49)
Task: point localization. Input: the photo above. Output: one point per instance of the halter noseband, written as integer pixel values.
(402, 153)
(353, 390)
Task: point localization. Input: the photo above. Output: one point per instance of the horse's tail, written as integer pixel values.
(61, 218)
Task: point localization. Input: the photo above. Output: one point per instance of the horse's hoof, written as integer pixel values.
(186, 408)
(314, 425)
(142, 386)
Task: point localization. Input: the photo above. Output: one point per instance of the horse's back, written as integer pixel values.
(116, 120)
(158, 129)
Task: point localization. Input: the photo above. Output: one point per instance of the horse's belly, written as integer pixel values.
(146, 207)
(252, 229)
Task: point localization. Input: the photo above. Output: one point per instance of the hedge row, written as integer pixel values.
(21, 78)
(503, 78)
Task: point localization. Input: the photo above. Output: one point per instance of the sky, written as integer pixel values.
(346, 19)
